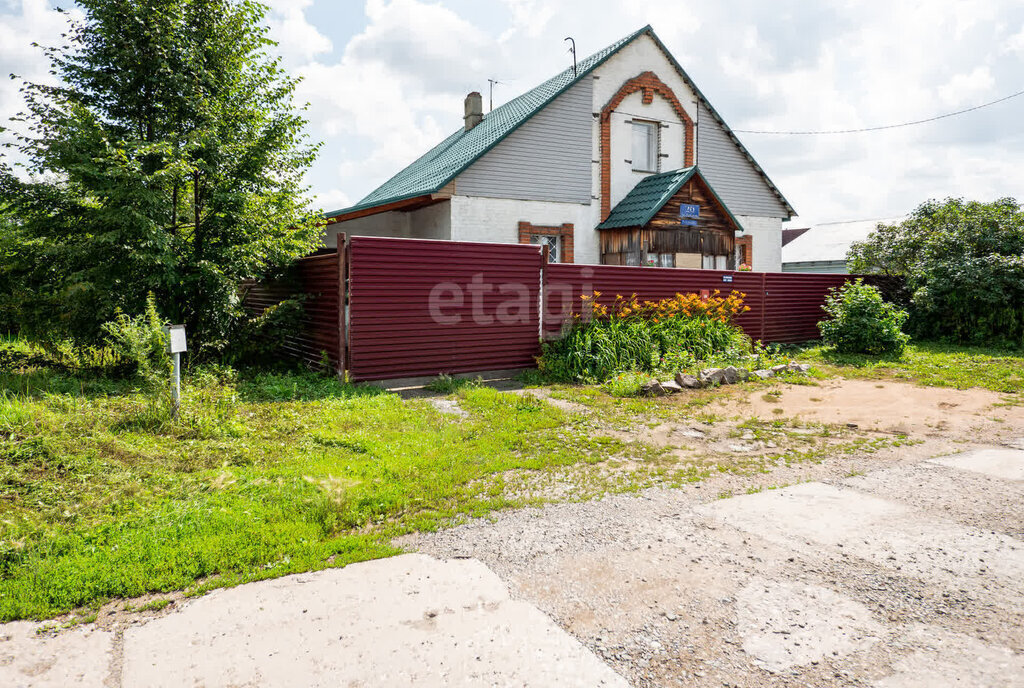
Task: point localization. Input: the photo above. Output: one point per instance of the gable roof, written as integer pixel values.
(830, 241)
(445, 161)
(650, 195)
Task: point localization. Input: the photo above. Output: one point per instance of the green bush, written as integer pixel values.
(141, 341)
(260, 339)
(963, 268)
(862, 322)
(629, 335)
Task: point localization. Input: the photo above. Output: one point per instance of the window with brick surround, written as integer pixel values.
(558, 239)
(744, 251)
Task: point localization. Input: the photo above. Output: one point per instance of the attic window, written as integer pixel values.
(645, 146)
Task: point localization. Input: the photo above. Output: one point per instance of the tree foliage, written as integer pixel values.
(862, 322)
(169, 160)
(963, 263)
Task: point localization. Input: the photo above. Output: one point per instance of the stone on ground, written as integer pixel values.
(687, 381)
(652, 389)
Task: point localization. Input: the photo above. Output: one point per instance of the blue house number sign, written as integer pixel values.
(688, 214)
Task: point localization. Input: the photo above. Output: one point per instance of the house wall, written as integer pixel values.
(476, 218)
(431, 222)
(766, 245)
(545, 159)
(640, 56)
(671, 138)
(731, 174)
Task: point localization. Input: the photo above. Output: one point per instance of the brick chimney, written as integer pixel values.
(474, 110)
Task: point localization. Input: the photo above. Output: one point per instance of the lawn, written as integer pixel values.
(930, 364)
(262, 475)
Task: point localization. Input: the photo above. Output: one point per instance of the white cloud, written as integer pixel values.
(383, 96)
(298, 40)
(396, 91)
(966, 88)
(25, 23)
(1015, 43)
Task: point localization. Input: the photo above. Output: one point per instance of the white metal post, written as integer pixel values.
(175, 346)
(176, 384)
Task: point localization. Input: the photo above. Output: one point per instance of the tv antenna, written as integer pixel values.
(573, 51)
(492, 83)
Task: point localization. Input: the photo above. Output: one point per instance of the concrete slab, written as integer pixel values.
(1007, 464)
(846, 522)
(409, 620)
(953, 660)
(788, 624)
(75, 657)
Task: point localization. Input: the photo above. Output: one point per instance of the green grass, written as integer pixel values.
(446, 384)
(931, 364)
(103, 495)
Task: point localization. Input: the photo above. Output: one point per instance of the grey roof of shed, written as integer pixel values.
(830, 241)
(445, 161)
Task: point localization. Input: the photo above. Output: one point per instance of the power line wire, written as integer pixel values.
(886, 126)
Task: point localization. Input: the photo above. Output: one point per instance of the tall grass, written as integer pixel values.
(630, 335)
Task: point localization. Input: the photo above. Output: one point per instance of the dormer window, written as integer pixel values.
(645, 146)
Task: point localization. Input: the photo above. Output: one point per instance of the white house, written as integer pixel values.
(553, 164)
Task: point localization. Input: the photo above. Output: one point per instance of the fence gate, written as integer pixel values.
(420, 307)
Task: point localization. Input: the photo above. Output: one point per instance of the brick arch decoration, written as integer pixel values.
(649, 84)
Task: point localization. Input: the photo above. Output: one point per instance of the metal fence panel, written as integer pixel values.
(420, 307)
(317, 278)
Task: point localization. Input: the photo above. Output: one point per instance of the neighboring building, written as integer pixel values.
(554, 165)
(823, 248)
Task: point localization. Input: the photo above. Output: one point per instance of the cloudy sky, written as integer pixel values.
(385, 81)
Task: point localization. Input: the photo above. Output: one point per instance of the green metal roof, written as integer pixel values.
(651, 194)
(445, 161)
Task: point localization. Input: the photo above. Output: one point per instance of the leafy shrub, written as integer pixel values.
(963, 265)
(862, 322)
(141, 341)
(258, 339)
(630, 335)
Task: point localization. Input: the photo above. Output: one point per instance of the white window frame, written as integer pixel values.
(653, 139)
(709, 262)
(553, 242)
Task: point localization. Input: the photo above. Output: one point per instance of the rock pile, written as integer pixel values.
(713, 377)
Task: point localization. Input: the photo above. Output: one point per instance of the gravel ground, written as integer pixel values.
(819, 584)
(889, 569)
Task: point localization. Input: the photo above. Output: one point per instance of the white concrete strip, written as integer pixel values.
(845, 522)
(1007, 464)
(787, 624)
(953, 660)
(76, 657)
(406, 621)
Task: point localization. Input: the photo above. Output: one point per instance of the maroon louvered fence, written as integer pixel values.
(420, 308)
(317, 279)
